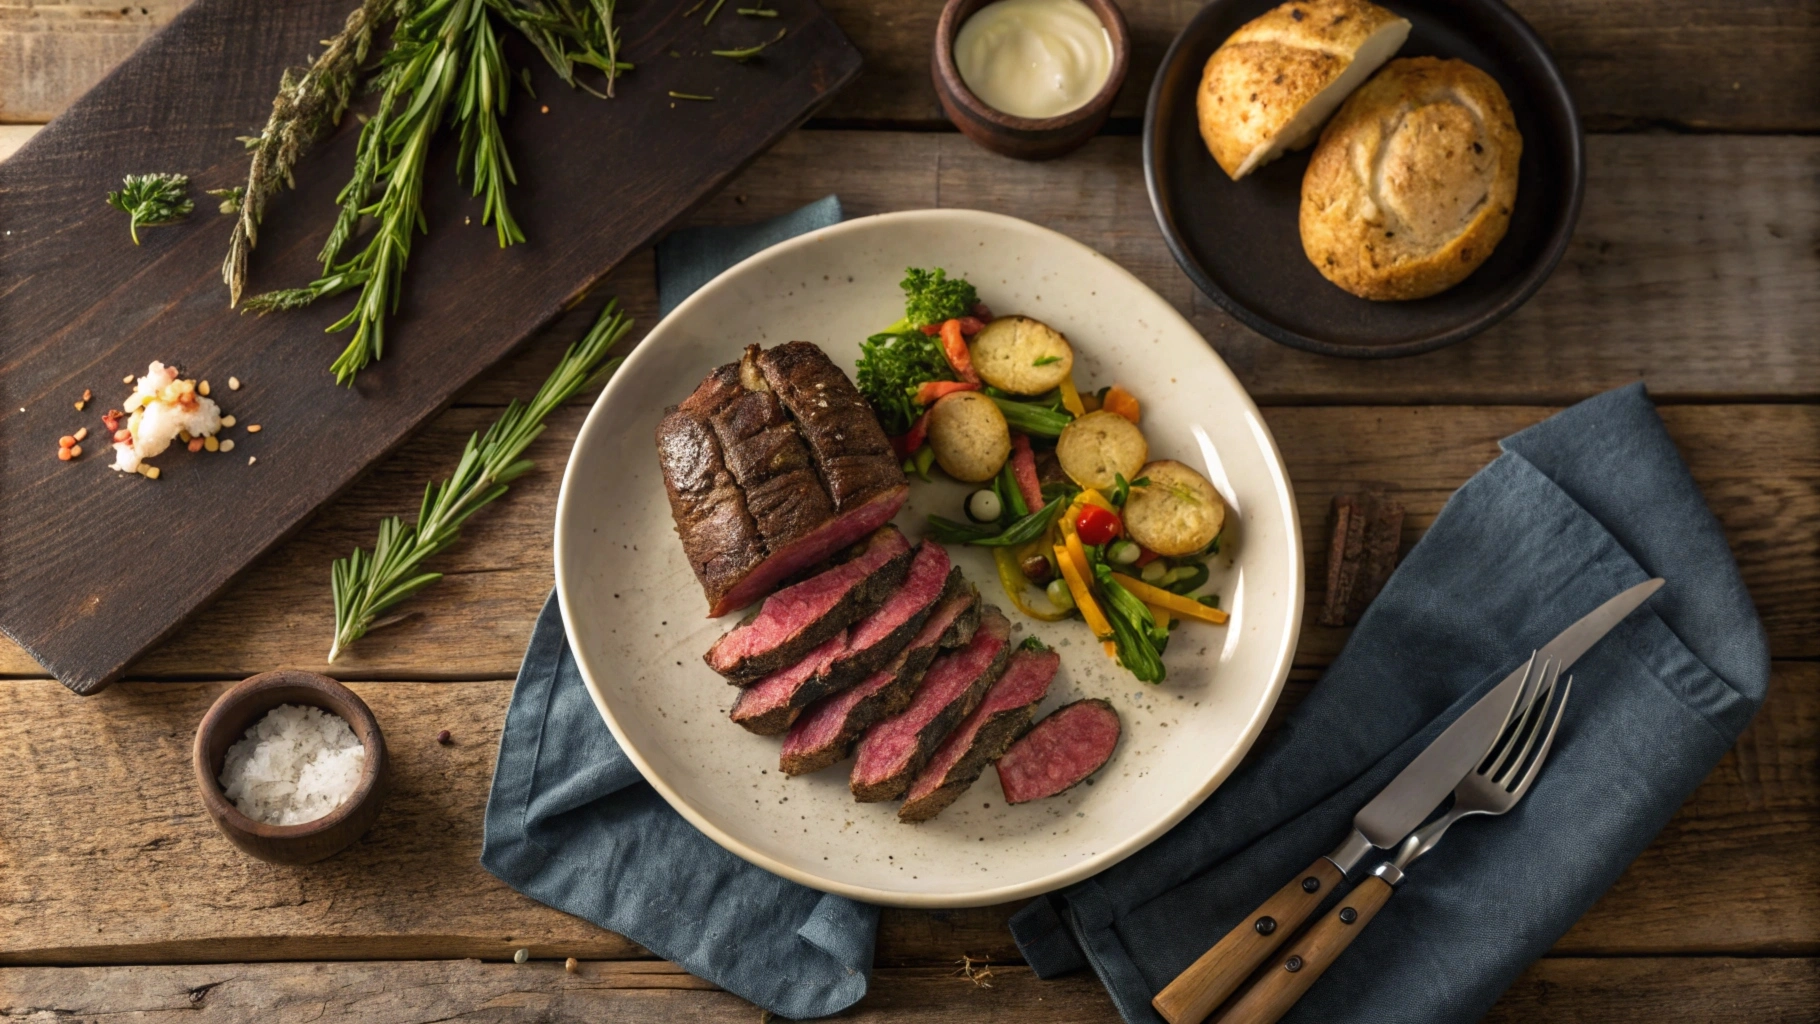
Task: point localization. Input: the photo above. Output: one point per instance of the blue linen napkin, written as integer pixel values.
(571, 823)
(1577, 508)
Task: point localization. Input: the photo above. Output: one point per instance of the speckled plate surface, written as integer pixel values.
(635, 615)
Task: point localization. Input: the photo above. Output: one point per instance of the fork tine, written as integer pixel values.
(1535, 767)
(1507, 772)
(1519, 706)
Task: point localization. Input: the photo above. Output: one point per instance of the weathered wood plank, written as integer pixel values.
(1611, 991)
(106, 857)
(1740, 66)
(1759, 467)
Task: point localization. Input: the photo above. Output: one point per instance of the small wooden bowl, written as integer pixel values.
(1025, 138)
(228, 720)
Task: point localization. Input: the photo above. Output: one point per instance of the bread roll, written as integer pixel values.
(1412, 185)
(1267, 89)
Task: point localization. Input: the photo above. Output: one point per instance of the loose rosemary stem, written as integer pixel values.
(367, 584)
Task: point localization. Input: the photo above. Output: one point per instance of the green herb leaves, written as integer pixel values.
(367, 584)
(153, 199)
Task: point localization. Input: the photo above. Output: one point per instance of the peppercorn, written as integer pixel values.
(444, 738)
(1036, 569)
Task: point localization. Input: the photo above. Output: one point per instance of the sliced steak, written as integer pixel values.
(768, 706)
(978, 741)
(799, 618)
(827, 728)
(719, 537)
(1073, 742)
(894, 750)
(851, 450)
(878, 637)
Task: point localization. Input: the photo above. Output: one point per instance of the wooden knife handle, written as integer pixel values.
(1290, 975)
(1197, 991)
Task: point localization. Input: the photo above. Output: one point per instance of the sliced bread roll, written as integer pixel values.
(1270, 86)
(1413, 183)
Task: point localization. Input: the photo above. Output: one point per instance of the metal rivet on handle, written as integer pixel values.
(1293, 964)
(1348, 915)
(1311, 884)
(1266, 925)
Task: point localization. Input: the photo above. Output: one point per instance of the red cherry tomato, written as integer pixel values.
(1097, 526)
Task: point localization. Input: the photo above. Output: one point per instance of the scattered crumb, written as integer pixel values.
(250, 459)
(544, 109)
(980, 975)
(572, 965)
(233, 383)
(252, 428)
(225, 446)
(521, 956)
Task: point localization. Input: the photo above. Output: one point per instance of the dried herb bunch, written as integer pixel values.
(445, 66)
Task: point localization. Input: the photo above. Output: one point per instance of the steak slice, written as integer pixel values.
(800, 618)
(827, 728)
(894, 750)
(1073, 742)
(768, 706)
(878, 637)
(979, 740)
(851, 450)
(719, 537)
(770, 471)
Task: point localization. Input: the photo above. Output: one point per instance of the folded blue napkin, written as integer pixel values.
(1577, 508)
(572, 824)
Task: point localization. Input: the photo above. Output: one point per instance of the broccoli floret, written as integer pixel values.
(890, 368)
(930, 297)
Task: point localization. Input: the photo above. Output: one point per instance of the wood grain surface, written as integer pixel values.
(1630, 63)
(82, 306)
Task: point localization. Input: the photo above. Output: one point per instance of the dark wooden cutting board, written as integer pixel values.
(97, 566)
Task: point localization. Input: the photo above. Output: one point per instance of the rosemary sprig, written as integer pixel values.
(747, 53)
(306, 105)
(367, 584)
(153, 199)
(712, 11)
(690, 96)
(755, 12)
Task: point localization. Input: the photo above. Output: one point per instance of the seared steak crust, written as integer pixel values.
(851, 450)
(770, 471)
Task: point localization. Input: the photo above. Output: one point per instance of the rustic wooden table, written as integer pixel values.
(1696, 268)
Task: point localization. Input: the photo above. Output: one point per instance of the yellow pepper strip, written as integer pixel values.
(1160, 614)
(1083, 598)
(1071, 399)
(1011, 577)
(1186, 607)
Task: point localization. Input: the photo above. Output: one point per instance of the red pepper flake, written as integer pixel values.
(63, 455)
(196, 444)
(66, 441)
(931, 329)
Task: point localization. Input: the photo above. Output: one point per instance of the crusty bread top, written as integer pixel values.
(1265, 72)
(1413, 182)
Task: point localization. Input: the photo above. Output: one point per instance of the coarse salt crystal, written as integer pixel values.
(294, 765)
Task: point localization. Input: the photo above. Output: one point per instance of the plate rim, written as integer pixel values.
(1091, 865)
(1537, 276)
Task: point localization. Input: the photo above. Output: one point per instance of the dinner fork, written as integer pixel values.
(1497, 785)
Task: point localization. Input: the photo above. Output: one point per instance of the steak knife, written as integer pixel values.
(1383, 823)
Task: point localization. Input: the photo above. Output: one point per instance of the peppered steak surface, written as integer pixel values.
(773, 464)
(894, 750)
(982, 736)
(827, 728)
(801, 617)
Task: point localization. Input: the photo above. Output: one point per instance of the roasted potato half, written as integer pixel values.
(1177, 513)
(1100, 445)
(1022, 356)
(969, 435)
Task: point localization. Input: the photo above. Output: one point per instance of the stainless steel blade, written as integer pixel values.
(1421, 787)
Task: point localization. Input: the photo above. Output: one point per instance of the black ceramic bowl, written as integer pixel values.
(1239, 241)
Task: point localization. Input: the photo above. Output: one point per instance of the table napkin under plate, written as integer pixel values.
(1577, 508)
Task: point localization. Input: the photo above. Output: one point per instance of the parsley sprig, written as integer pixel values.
(153, 199)
(366, 584)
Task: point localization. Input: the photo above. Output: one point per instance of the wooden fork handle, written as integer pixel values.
(1290, 975)
(1200, 989)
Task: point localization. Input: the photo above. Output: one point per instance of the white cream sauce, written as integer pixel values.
(1034, 58)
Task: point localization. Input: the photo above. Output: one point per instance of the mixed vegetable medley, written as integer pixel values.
(1070, 501)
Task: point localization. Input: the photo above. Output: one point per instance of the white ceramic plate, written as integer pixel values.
(636, 616)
